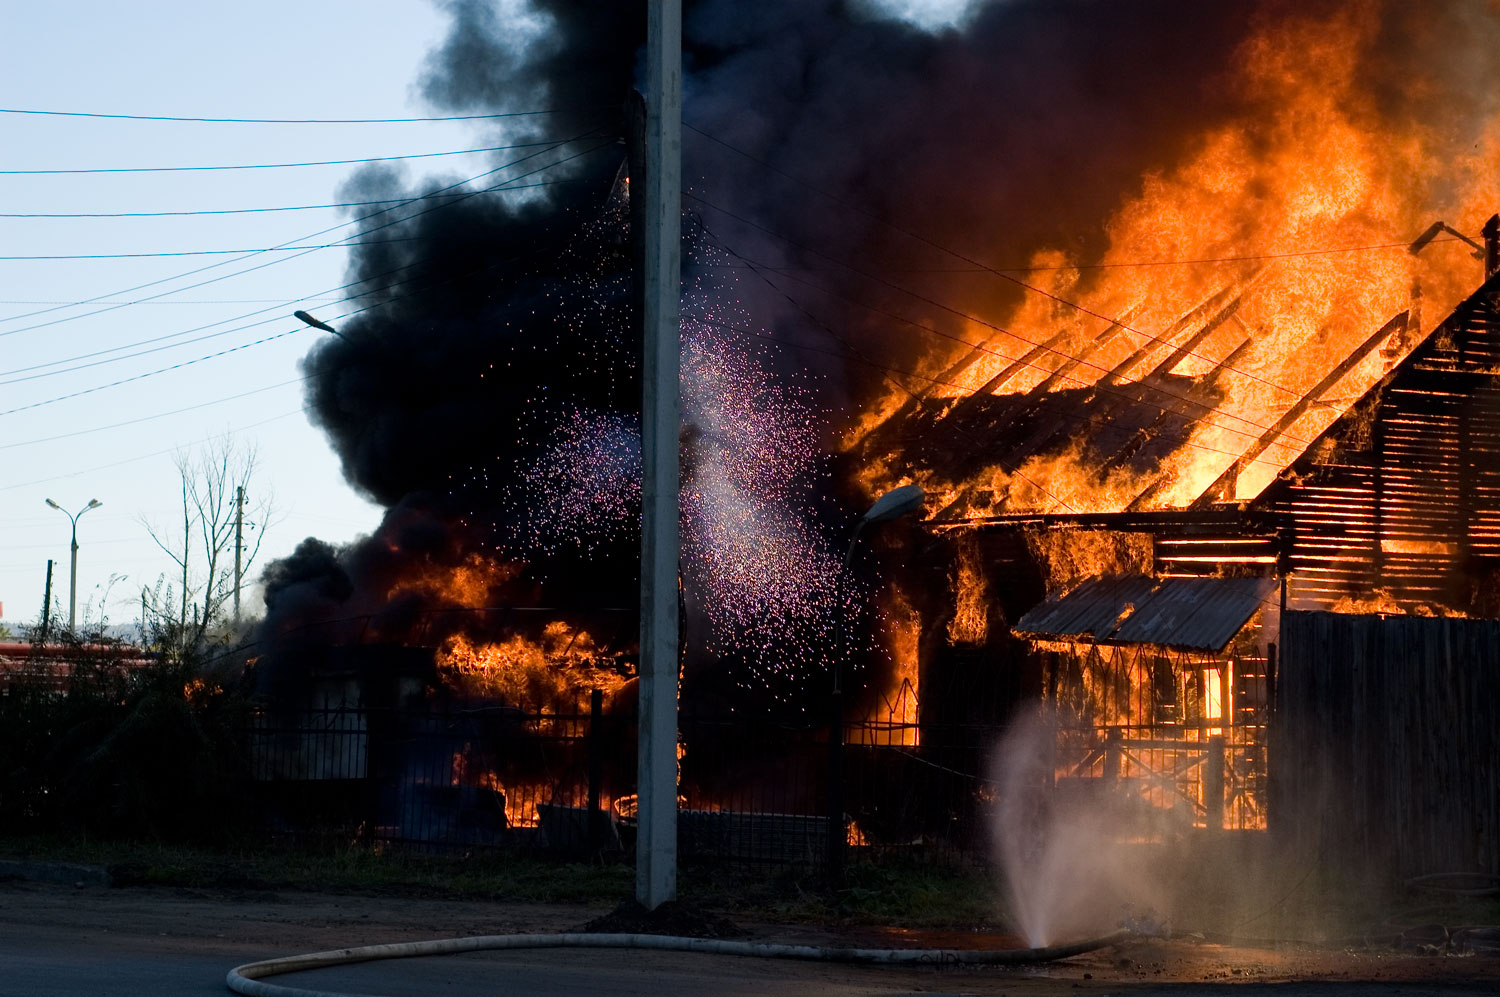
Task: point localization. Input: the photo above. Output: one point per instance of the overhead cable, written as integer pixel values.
(1002, 274)
(960, 313)
(283, 259)
(274, 166)
(251, 211)
(290, 121)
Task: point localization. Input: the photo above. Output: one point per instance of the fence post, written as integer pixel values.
(836, 834)
(1113, 755)
(1213, 784)
(596, 770)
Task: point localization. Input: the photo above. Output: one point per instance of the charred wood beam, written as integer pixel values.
(1225, 481)
(1235, 522)
(1175, 418)
(1198, 395)
(1196, 339)
(1101, 407)
(1122, 369)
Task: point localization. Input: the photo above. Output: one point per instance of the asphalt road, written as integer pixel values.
(67, 941)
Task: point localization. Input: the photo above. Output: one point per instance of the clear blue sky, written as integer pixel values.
(274, 59)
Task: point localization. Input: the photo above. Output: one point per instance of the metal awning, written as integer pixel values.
(1194, 614)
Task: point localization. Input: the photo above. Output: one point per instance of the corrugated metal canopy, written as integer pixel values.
(1195, 614)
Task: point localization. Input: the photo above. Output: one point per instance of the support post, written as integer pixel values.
(73, 582)
(1114, 756)
(656, 773)
(47, 602)
(1213, 784)
(838, 836)
(596, 771)
(1491, 246)
(239, 545)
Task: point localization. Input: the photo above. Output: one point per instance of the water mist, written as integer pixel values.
(1066, 846)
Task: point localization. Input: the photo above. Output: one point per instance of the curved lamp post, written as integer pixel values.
(302, 316)
(73, 570)
(893, 504)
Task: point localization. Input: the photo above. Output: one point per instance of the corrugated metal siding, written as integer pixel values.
(1197, 614)
(1093, 609)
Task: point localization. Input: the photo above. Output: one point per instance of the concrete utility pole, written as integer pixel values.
(656, 762)
(239, 545)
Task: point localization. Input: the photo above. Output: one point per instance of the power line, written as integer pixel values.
(1098, 266)
(254, 211)
(1003, 275)
(1209, 409)
(197, 302)
(30, 376)
(281, 304)
(238, 273)
(275, 166)
(290, 121)
(201, 252)
(283, 259)
(242, 346)
(160, 370)
(152, 418)
(154, 453)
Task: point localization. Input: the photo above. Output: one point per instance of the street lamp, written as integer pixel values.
(893, 504)
(73, 571)
(316, 324)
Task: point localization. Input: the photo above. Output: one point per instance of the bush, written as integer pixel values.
(132, 746)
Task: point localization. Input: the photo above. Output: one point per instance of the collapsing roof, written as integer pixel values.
(1141, 413)
(1190, 614)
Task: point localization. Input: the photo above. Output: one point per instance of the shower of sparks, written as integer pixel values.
(584, 491)
(767, 581)
(756, 564)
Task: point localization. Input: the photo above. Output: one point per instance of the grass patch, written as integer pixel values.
(906, 894)
(343, 869)
(901, 894)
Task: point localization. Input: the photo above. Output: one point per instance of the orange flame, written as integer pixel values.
(1228, 267)
(562, 666)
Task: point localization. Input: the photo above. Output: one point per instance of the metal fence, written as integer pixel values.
(465, 775)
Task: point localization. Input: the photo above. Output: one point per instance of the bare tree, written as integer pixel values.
(218, 508)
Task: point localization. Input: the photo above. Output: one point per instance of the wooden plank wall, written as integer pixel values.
(1402, 495)
(1386, 745)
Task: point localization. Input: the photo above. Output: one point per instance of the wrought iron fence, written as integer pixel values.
(464, 775)
(751, 791)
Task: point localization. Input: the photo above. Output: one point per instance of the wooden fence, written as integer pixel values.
(1386, 748)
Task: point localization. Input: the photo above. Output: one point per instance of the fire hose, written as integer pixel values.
(247, 979)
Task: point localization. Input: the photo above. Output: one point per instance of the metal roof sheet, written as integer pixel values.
(1198, 614)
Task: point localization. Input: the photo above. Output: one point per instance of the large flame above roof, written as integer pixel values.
(1247, 296)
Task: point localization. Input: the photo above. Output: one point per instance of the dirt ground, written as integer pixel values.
(254, 923)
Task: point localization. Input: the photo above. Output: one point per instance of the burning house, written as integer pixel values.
(1140, 319)
(1157, 641)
